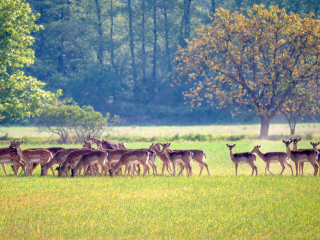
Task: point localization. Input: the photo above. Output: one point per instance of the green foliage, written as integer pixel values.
(66, 120)
(20, 96)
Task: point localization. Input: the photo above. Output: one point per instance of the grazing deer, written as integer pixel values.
(41, 156)
(91, 158)
(10, 155)
(72, 160)
(241, 158)
(179, 156)
(273, 157)
(166, 162)
(58, 158)
(130, 158)
(308, 155)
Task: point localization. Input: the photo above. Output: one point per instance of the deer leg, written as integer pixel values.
(174, 169)
(201, 168)
(52, 171)
(163, 168)
(169, 169)
(125, 170)
(288, 164)
(302, 166)
(236, 165)
(283, 167)
(181, 170)
(296, 168)
(206, 165)
(4, 169)
(315, 166)
(268, 167)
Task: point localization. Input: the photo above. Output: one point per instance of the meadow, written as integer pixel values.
(219, 206)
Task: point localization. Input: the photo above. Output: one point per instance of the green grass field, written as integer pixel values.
(219, 206)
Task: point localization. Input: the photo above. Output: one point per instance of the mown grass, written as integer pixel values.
(219, 206)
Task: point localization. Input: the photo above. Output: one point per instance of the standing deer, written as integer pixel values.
(273, 157)
(242, 158)
(41, 156)
(307, 155)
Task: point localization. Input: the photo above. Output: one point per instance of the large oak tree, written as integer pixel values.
(252, 63)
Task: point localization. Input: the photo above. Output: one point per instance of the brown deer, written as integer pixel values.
(308, 155)
(130, 158)
(242, 158)
(177, 157)
(27, 156)
(10, 155)
(105, 144)
(273, 157)
(165, 161)
(58, 158)
(72, 160)
(91, 158)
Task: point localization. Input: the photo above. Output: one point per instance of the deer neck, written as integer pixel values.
(19, 151)
(260, 154)
(289, 151)
(231, 154)
(295, 147)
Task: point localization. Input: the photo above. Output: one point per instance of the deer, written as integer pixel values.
(165, 161)
(105, 144)
(27, 156)
(53, 150)
(307, 155)
(273, 157)
(10, 155)
(88, 159)
(314, 145)
(72, 160)
(58, 158)
(242, 158)
(198, 156)
(295, 148)
(130, 158)
(179, 156)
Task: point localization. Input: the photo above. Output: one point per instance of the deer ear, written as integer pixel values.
(21, 142)
(259, 146)
(227, 145)
(299, 139)
(290, 140)
(233, 145)
(283, 141)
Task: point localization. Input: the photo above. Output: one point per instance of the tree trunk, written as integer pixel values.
(265, 123)
(61, 48)
(143, 48)
(100, 47)
(154, 72)
(133, 63)
(167, 35)
(111, 40)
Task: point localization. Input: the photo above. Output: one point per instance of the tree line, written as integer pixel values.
(118, 56)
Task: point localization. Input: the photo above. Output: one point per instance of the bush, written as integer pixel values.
(68, 120)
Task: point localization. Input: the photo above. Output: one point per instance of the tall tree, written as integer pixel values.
(154, 70)
(20, 96)
(252, 63)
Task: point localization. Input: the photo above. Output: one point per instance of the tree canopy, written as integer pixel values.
(20, 96)
(253, 62)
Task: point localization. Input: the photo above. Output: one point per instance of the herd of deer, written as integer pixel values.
(298, 156)
(112, 157)
(109, 157)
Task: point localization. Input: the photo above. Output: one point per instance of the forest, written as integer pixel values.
(119, 56)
